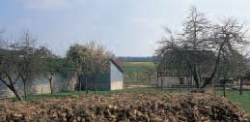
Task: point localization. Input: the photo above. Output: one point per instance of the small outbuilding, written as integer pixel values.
(111, 80)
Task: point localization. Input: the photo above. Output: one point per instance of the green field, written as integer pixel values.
(242, 100)
(139, 72)
(139, 63)
(137, 66)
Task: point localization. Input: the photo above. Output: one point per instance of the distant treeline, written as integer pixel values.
(136, 59)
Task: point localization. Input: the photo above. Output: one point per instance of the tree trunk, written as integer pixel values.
(162, 82)
(194, 74)
(16, 93)
(94, 83)
(199, 73)
(51, 84)
(86, 85)
(215, 68)
(12, 87)
(209, 80)
(224, 87)
(241, 86)
(79, 82)
(196, 79)
(24, 85)
(25, 89)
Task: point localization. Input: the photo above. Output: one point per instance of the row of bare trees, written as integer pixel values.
(22, 61)
(204, 49)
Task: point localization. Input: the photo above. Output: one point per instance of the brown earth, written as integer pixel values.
(125, 107)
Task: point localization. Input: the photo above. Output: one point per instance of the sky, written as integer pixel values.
(125, 27)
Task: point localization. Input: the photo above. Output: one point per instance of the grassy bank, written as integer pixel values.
(242, 100)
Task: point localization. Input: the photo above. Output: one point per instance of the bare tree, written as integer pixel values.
(25, 48)
(50, 66)
(9, 74)
(21, 53)
(228, 37)
(202, 47)
(165, 56)
(185, 51)
(196, 29)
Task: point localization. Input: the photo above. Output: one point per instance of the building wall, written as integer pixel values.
(40, 85)
(116, 77)
(172, 81)
(70, 84)
(102, 82)
(117, 85)
(5, 93)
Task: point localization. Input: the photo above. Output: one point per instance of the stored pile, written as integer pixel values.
(126, 107)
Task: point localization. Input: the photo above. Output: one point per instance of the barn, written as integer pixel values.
(111, 80)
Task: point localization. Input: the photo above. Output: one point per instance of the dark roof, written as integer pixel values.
(118, 67)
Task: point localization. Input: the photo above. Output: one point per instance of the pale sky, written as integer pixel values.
(125, 27)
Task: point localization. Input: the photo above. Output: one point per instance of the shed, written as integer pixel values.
(111, 80)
